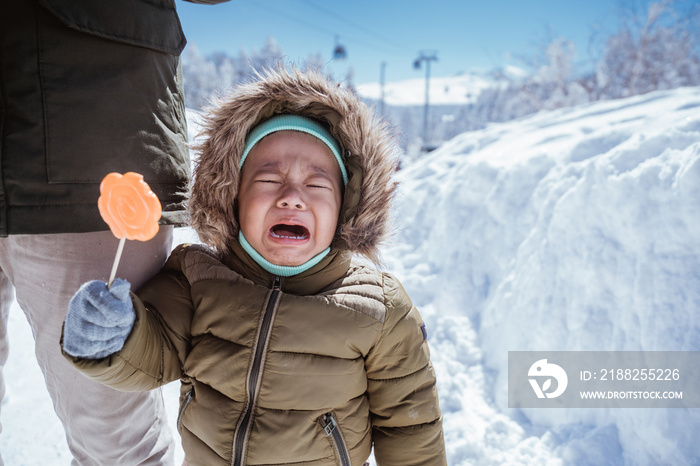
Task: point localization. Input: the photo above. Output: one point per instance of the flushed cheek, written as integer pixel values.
(328, 223)
(252, 216)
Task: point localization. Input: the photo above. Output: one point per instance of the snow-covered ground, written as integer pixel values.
(577, 229)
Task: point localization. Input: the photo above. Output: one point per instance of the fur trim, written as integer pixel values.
(367, 143)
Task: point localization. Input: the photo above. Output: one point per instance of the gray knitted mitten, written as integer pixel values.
(99, 319)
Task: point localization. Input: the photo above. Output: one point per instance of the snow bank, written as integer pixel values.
(577, 229)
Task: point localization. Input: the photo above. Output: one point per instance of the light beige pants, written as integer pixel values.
(103, 426)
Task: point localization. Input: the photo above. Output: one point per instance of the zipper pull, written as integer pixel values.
(277, 283)
(329, 424)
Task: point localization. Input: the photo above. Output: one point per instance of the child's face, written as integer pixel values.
(290, 197)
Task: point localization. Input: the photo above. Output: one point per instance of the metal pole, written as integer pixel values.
(426, 58)
(381, 98)
(427, 104)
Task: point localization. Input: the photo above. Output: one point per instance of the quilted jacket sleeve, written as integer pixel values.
(406, 419)
(153, 353)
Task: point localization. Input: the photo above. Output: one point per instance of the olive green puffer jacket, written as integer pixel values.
(309, 370)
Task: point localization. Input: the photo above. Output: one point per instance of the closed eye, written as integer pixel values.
(319, 182)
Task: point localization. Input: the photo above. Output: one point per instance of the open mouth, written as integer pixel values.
(284, 231)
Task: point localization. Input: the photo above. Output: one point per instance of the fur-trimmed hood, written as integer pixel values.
(368, 147)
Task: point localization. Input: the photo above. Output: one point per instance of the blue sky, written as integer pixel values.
(467, 35)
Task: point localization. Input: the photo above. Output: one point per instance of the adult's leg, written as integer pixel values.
(103, 426)
(6, 298)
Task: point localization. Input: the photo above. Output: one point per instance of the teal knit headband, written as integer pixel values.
(289, 122)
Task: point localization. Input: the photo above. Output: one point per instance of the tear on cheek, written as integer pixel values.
(289, 231)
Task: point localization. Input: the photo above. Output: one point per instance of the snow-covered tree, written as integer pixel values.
(268, 57)
(658, 52)
(314, 62)
(207, 77)
(200, 77)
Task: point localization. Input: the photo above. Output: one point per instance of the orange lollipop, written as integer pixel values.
(129, 206)
(130, 209)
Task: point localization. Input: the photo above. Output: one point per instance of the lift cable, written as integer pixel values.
(316, 27)
(333, 14)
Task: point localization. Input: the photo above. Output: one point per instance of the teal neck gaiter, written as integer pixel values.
(280, 270)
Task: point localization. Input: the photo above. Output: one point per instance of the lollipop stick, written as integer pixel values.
(116, 262)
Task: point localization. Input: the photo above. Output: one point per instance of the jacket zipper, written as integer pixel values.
(188, 398)
(330, 427)
(252, 382)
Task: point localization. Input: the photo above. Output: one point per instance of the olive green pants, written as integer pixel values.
(103, 426)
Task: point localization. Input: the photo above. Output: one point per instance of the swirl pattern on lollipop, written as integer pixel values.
(129, 206)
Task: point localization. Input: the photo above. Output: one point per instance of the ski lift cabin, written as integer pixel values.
(339, 52)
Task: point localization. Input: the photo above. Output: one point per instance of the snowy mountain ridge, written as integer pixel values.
(459, 89)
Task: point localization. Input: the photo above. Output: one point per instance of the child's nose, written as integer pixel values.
(291, 198)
